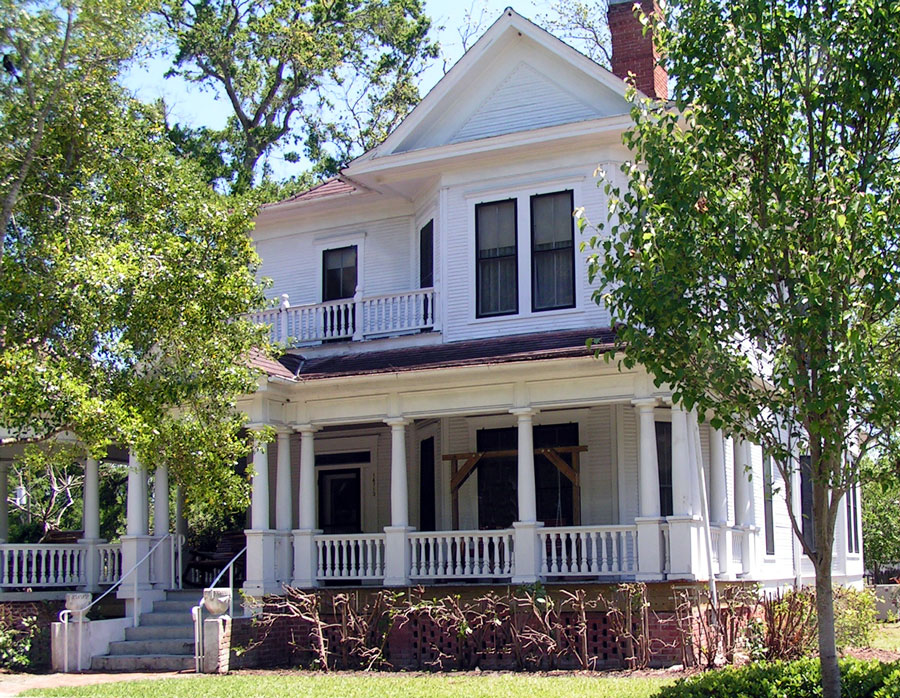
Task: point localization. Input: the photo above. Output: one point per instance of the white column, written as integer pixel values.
(396, 543)
(718, 493)
(4, 501)
(650, 544)
(305, 562)
(161, 501)
(682, 497)
(259, 498)
(307, 493)
(648, 468)
(136, 504)
(527, 543)
(261, 560)
(742, 489)
(91, 513)
(399, 489)
(284, 508)
(718, 500)
(526, 485)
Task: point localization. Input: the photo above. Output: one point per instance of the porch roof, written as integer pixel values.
(494, 350)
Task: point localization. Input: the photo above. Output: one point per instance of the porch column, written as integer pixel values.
(284, 508)
(136, 589)
(744, 514)
(4, 501)
(718, 499)
(305, 560)
(180, 527)
(396, 545)
(685, 529)
(162, 556)
(651, 550)
(528, 552)
(260, 538)
(90, 523)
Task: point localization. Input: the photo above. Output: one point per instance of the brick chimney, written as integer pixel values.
(634, 52)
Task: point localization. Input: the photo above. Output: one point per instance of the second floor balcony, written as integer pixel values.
(351, 319)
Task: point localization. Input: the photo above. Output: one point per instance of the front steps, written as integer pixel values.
(164, 640)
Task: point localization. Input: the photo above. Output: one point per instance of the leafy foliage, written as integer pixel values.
(123, 276)
(752, 248)
(800, 679)
(880, 523)
(16, 638)
(284, 66)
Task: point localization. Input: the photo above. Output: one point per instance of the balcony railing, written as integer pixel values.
(44, 566)
(357, 318)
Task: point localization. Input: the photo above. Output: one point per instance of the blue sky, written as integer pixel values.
(189, 105)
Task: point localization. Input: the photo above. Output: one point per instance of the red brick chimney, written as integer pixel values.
(634, 52)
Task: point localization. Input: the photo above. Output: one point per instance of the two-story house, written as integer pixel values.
(438, 414)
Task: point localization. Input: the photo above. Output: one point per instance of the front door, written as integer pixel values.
(340, 505)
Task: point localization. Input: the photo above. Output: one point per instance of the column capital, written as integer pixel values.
(397, 422)
(283, 429)
(521, 412)
(305, 427)
(257, 426)
(645, 403)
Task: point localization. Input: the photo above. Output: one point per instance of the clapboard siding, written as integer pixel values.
(525, 100)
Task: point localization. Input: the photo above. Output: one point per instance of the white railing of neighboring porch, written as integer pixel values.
(350, 556)
(40, 565)
(588, 550)
(461, 554)
(350, 318)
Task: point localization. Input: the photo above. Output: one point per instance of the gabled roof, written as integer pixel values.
(463, 106)
(334, 187)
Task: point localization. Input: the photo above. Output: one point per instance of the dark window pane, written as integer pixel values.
(767, 504)
(496, 259)
(426, 256)
(664, 465)
(554, 491)
(806, 502)
(853, 520)
(426, 485)
(340, 505)
(498, 504)
(339, 273)
(552, 251)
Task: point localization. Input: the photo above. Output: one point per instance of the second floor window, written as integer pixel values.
(496, 275)
(552, 251)
(339, 273)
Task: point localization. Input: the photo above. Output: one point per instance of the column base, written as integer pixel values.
(261, 579)
(651, 550)
(283, 556)
(687, 549)
(137, 583)
(396, 556)
(305, 573)
(528, 553)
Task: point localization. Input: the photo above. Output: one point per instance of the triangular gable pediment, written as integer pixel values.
(526, 99)
(516, 77)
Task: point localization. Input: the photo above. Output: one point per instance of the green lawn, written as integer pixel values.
(887, 637)
(372, 686)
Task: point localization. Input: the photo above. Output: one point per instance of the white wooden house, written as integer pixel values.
(438, 414)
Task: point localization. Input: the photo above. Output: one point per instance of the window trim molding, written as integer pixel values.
(515, 256)
(335, 243)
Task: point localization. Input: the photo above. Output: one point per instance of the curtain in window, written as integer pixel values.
(497, 279)
(552, 251)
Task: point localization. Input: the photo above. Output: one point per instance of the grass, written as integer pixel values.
(372, 686)
(887, 637)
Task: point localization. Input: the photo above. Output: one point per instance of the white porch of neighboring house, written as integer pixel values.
(92, 563)
(384, 477)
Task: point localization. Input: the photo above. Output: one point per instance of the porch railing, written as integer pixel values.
(351, 318)
(110, 563)
(350, 556)
(737, 550)
(461, 554)
(39, 565)
(588, 550)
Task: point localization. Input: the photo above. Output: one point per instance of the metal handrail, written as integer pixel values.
(66, 613)
(197, 611)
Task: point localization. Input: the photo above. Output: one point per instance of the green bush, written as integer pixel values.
(800, 679)
(854, 617)
(15, 642)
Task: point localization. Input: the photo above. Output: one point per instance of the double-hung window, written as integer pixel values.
(496, 259)
(552, 251)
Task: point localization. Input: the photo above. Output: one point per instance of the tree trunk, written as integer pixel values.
(831, 674)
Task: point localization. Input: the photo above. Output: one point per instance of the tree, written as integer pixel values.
(283, 65)
(752, 248)
(124, 277)
(880, 523)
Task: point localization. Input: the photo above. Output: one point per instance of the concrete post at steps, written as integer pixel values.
(216, 645)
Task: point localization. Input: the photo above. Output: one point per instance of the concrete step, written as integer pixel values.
(166, 618)
(181, 645)
(177, 606)
(143, 662)
(160, 632)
